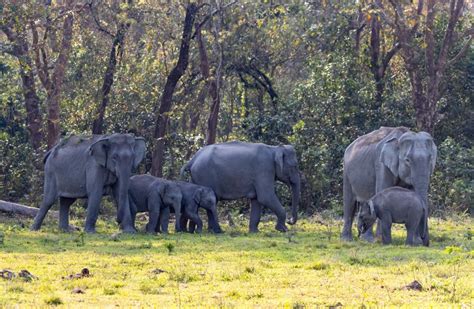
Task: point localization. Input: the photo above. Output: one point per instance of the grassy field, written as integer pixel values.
(306, 267)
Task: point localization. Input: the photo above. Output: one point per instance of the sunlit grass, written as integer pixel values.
(306, 267)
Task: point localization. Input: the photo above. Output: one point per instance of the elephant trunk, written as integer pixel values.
(124, 217)
(295, 198)
(421, 187)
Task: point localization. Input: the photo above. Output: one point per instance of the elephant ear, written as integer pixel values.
(139, 150)
(389, 155)
(197, 195)
(99, 150)
(432, 148)
(279, 160)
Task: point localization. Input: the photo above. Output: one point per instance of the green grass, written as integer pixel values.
(308, 266)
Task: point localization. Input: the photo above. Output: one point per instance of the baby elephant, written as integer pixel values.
(194, 197)
(154, 195)
(395, 205)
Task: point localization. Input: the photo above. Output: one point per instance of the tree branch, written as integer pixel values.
(461, 53)
(208, 17)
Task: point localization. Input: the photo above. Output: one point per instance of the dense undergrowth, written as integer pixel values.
(305, 267)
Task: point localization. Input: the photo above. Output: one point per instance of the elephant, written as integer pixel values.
(90, 167)
(236, 170)
(387, 157)
(395, 205)
(155, 195)
(195, 196)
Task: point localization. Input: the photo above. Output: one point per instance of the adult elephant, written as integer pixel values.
(385, 158)
(79, 167)
(248, 170)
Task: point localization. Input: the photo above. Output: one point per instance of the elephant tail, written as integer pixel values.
(184, 169)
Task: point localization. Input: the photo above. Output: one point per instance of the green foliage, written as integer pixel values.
(453, 182)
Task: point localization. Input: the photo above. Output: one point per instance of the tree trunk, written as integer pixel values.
(167, 97)
(98, 125)
(212, 88)
(33, 116)
(15, 208)
(54, 93)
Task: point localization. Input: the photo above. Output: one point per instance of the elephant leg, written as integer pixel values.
(177, 221)
(184, 222)
(349, 210)
(192, 226)
(93, 204)
(386, 231)
(255, 214)
(49, 197)
(213, 221)
(64, 206)
(164, 219)
(193, 215)
(411, 235)
(271, 201)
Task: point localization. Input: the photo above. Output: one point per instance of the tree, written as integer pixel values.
(44, 61)
(16, 32)
(426, 60)
(118, 40)
(167, 96)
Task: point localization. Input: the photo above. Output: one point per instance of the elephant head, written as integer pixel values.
(366, 217)
(205, 198)
(286, 164)
(171, 196)
(411, 158)
(120, 153)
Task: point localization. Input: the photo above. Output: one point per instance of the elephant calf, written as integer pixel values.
(195, 196)
(395, 205)
(154, 195)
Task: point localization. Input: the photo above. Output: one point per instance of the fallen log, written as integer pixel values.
(20, 209)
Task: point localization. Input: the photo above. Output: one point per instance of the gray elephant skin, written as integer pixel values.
(395, 205)
(385, 158)
(90, 167)
(155, 196)
(194, 197)
(237, 170)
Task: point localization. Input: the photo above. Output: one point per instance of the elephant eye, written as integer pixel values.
(407, 160)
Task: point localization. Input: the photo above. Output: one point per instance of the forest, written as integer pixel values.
(314, 74)
(185, 74)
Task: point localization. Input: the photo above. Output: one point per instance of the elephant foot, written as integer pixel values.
(90, 230)
(281, 227)
(291, 221)
(131, 230)
(35, 227)
(218, 231)
(369, 237)
(69, 229)
(346, 237)
(253, 230)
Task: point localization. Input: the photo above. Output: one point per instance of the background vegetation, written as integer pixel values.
(316, 74)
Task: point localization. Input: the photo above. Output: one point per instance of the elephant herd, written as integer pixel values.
(386, 176)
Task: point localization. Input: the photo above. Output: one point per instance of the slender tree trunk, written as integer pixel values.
(33, 116)
(167, 97)
(211, 85)
(57, 82)
(118, 41)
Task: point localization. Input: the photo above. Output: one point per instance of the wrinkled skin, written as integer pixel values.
(155, 196)
(385, 158)
(194, 197)
(237, 170)
(80, 167)
(395, 205)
